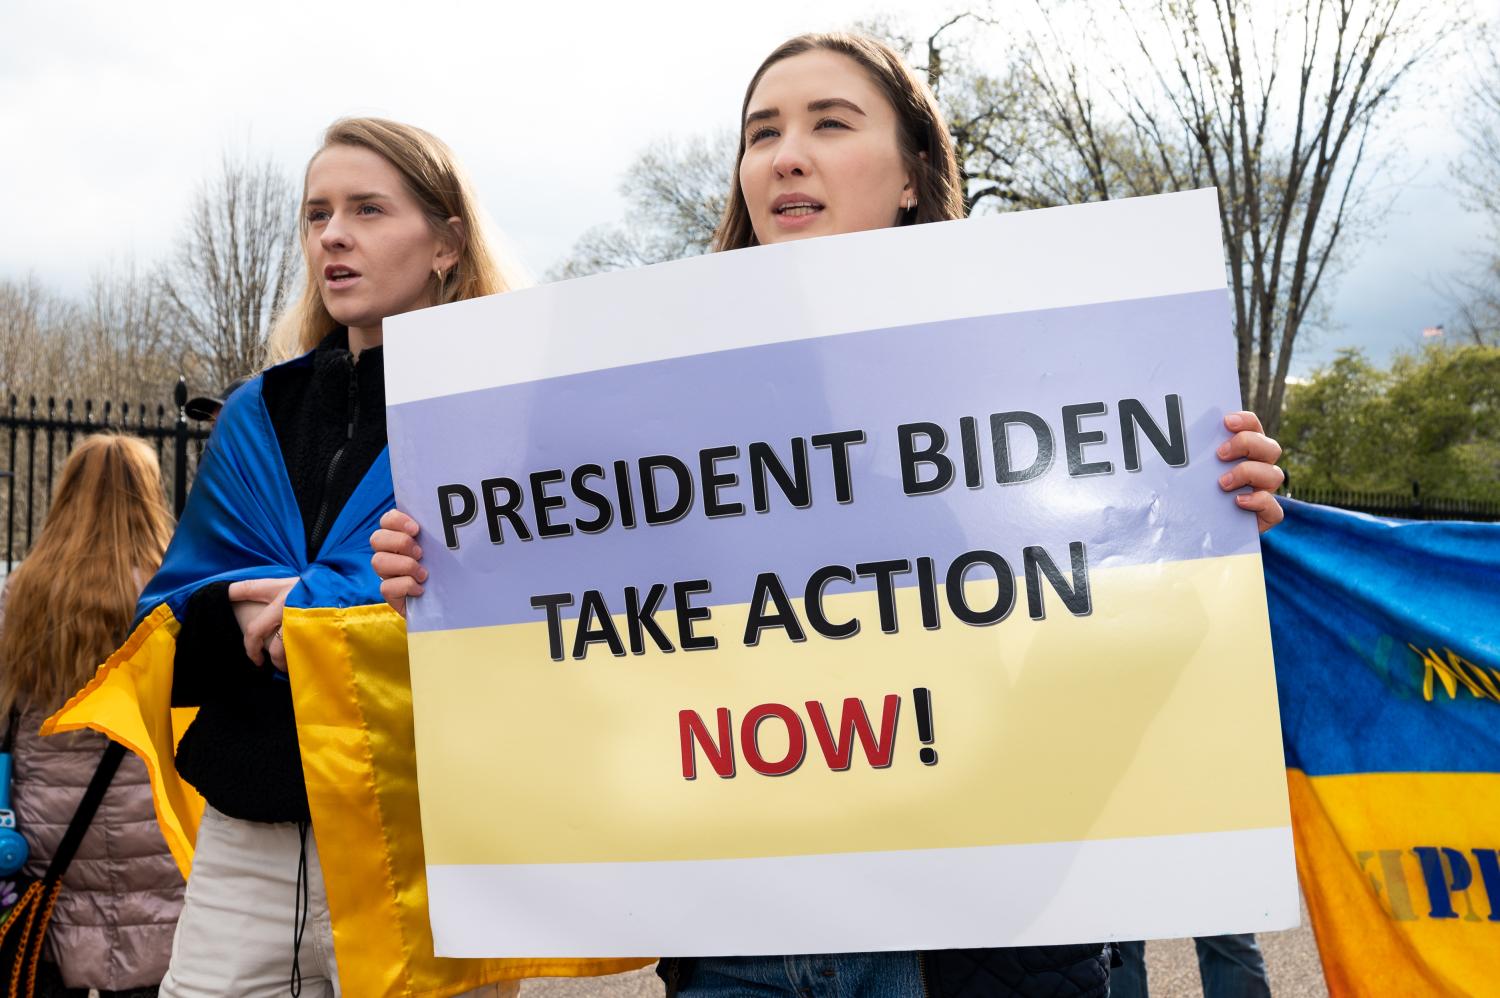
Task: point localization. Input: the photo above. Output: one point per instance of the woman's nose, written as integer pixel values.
(334, 234)
(791, 159)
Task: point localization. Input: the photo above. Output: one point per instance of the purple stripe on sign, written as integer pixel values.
(873, 381)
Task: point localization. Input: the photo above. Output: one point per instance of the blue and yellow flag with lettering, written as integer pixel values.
(1387, 638)
(346, 654)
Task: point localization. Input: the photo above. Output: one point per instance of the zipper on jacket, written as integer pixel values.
(922, 974)
(315, 541)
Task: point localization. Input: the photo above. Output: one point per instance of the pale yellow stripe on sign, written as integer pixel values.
(1156, 715)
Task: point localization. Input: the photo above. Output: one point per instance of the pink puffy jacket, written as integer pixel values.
(113, 925)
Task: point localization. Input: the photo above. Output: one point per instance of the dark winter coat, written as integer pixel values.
(241, 751)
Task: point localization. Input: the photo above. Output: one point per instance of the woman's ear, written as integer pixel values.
(450, 245)
(909, 195)
(909, 192)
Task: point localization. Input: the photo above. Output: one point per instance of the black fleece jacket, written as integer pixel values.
(241, 751)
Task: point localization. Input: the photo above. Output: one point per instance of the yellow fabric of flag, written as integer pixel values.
(354, 723)
(130, 700)
(354, 728)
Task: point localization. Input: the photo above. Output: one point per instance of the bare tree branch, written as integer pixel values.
(1288, 157)
(1475, 296)
(676, 195)
(234, 268)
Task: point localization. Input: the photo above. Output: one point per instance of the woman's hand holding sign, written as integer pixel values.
(398, 559)
(1257, 455)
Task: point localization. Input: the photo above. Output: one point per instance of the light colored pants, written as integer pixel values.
(236, 930)
(235, 934)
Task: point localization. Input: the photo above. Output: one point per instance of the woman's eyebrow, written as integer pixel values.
(367, 196)
(831, 102)
(817, 105)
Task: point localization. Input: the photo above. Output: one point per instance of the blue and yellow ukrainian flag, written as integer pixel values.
(346, 652)
(1387, 639)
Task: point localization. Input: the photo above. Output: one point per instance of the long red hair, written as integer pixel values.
(70, 603)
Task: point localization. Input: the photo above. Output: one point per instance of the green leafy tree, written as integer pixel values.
(1431, 420)
(1443, 410)
(1330, 424)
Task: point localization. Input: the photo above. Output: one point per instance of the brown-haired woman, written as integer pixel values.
(389, 224)
(64, 610)
(838, 135)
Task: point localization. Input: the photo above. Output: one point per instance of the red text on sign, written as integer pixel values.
(837, 745)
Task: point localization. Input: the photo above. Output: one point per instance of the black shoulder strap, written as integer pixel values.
(92, 797)
(10, 729)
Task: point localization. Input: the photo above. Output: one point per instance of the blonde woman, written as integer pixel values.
(65, 609)
(303, 839)
(296, 467)
(291, 482)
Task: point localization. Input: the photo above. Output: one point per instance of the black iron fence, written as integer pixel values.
(37, 434)
(1403, 505)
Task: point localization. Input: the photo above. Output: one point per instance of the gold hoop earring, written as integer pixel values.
(439, 274)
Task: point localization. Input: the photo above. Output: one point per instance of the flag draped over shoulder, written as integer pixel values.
(1387, 639)
(346, 654)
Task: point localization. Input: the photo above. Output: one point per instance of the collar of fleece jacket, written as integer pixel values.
(330, 422)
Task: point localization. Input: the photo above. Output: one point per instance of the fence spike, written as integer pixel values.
(50, 423)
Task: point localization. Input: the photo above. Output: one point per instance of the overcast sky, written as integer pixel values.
(111, 113)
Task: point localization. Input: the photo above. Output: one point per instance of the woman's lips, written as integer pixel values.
(795, 210)
(796, 218)
(340, 278)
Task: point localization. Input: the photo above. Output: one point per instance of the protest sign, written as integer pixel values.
(867, 592)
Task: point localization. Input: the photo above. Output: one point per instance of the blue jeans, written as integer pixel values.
(1229, 966)
(831, 975)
